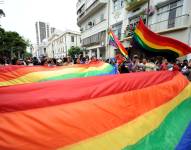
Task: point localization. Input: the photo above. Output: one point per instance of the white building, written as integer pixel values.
(50, 46)
(43, 32)
(42, 48)
(92, 20)
(171, 18)
(166, 17)
(34, 50)
(59, 44)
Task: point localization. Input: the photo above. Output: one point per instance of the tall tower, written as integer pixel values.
(42, 31)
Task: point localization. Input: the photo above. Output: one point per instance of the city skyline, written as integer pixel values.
(21, 16)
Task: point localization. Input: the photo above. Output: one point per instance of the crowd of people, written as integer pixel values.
(122, 64)
(136, 64)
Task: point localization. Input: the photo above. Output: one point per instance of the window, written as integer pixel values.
(81, 29)
(86, 27)
(117, 4)
(170, 14)
(72, 38)
(93, 22)
(102, 17)
(94, 39)
(117, 29)
(133, 21)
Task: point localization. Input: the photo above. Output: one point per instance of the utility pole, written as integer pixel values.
(148, 7)
(66, 45)
(108, 29)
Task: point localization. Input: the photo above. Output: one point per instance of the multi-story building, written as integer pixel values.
(166, 17)
(50, 45)
(42, 48)
(92, 20)
(34, 50)
(117, 22)
(42, 31)
(59, 44)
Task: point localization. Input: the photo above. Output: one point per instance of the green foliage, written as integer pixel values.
(12, 44)
(2, 13)
(27, 54)
(74, 51)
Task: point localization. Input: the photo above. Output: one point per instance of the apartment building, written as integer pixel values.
(92, 20)
(59, 43)
(170, 18)
(166, 17)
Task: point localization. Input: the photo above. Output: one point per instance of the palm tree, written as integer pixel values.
(2, 13)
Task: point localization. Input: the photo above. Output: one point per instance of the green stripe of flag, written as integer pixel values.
(170, 131)
(108, 70)
(146, 47)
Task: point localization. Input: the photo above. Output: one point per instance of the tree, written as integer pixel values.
(74, 51)
(12, 44)
(2, 13)
(27, 54)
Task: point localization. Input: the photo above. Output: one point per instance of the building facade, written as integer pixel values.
(59, 44)
(43, 32)
(170, 18)
(93, 22)
(166, 17)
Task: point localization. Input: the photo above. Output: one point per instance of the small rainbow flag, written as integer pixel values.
(113, 40)
(136, 111)
(156, 43)
(14, 75)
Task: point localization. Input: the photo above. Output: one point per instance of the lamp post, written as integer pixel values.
(108, 11)
(148, 12)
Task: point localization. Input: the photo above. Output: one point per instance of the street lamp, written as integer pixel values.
(148, 12)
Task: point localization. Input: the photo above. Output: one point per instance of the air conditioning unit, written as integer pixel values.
(90, 23)
(81, 29)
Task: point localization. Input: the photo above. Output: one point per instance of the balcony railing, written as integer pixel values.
(178, 22)
(90, 8)
(133, 4)
(80, 3)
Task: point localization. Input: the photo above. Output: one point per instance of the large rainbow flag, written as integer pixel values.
(156, 43)
(14, 75)
(114, 41)
(143, 111)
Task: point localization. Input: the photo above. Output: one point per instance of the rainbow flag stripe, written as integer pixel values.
(147, 110)
(14, 75)
(156, 43)
(113, 40)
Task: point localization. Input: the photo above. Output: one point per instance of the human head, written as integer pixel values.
(93, 58)
(144, 61)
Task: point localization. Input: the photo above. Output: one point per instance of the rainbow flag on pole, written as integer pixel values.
(143, 111)
(113, 40)
(156, 43)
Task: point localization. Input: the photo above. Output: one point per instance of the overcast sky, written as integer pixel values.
(21, 15)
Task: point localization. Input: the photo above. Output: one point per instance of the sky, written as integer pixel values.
(21, 15)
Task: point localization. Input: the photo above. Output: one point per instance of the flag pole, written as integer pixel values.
(148, 12)
(108, 29)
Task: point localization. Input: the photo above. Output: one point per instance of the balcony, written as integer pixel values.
(91, 7)
(94, 29)
(178, 23)
(133, 4)
(79, 4)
